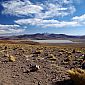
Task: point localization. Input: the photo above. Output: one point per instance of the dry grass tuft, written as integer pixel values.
(12, 58)
(77, 75)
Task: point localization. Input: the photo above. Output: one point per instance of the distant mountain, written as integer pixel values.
(39, 36)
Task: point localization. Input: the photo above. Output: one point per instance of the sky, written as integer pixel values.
(19, 17)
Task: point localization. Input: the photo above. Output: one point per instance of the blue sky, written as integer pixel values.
(42, 16)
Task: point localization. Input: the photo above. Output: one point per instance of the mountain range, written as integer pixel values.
(42, 36)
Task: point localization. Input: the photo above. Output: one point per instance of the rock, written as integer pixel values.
(37, 52)
(83, 56)
(73, 51)
(5, 47)
(34, 68)
(26, 71)
(83, 65)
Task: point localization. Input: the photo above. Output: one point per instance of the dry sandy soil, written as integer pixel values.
(53, 62)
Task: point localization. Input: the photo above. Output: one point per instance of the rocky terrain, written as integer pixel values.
(23, 64)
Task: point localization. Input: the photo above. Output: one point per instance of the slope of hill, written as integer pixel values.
(39, 36)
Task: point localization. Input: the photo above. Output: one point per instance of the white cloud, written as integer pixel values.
(42, 12)
(47, 23)
(63, 24)
(55, 10)
(68, 1)
(79, 18)
(48, 9)
(76, 21)
(29, 21)
(17, 7)
(5, 29)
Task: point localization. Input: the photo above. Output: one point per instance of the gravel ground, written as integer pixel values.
(53, 62)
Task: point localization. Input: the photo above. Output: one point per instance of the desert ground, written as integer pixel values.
(39, 64)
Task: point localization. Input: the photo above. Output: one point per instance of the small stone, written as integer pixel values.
(34, 68)
(83, 65)
(73, 51)
(83, 56)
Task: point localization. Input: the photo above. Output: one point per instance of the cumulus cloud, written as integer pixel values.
(18, 8)
(40, 10)
(29, 21)
(5, 29)
(47, 23)
(63, 24)
(79, 18)
(43, 13)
